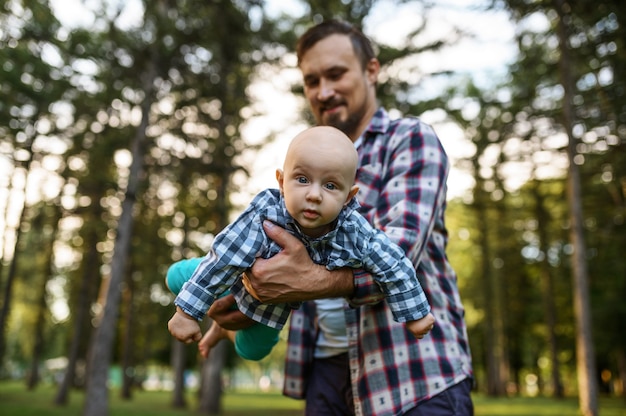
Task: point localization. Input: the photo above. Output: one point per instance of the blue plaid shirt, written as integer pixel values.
(402, 181)
(352, 243)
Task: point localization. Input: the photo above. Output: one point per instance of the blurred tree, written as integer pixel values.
(543, 221)
(31, 86)
(47, 235)
(488, 206)
(195, 71)
(90, 174)
(589, 102)
(586, 360)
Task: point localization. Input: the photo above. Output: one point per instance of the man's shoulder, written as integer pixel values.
(407, 123)
(398, 128)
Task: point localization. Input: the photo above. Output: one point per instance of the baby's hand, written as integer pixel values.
(421, 327)
(184, 328)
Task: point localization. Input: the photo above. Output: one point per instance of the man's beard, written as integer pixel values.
(349, 126)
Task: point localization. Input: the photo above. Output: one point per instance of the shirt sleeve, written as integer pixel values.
(396, 276)
(405, 194)
(234, 250)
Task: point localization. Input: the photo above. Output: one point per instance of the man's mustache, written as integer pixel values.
(328, 105)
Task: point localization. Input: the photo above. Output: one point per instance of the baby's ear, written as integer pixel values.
(352, 193)
(280, 177)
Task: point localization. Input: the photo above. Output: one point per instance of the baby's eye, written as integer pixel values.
(331, 186)
(301, 179)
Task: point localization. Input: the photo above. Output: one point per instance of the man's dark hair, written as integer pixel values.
(360, 43)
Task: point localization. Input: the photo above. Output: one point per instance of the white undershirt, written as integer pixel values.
(332, 338)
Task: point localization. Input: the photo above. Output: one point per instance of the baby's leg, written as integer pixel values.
(179, 272)
(255, 342)
(212, 337)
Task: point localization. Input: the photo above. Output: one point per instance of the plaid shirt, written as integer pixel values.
(402, 181)
(352, 243)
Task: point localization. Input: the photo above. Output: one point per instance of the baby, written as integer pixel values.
(316, 203)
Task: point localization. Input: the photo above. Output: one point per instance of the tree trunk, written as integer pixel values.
(178, 365)
(491, 349)
(97, 398)
(5, 236)
(81, 317)
(547, 286)
(8, 288)
(585, 359)
(499, 300)
(621, 371)
(33, 376)
(211, 387)
(127, 352)
(42, 307)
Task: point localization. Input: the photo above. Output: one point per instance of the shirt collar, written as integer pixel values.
(379, 123)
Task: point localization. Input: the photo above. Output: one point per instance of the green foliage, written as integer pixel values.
(526, 228)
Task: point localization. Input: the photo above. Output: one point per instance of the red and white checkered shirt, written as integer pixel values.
(402, 181)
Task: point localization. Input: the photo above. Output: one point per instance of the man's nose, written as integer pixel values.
(326, 90)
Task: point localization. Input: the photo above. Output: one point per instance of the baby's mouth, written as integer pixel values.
(310, 214)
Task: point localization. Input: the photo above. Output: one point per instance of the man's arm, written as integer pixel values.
(291, 276)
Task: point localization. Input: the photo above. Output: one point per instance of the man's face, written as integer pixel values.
(340, 91)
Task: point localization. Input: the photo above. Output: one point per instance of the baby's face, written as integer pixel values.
(316, 184)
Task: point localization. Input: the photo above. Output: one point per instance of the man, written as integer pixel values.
(350, 357)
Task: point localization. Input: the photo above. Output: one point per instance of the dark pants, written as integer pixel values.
(329, 393)
(328, 390)
(455, 401)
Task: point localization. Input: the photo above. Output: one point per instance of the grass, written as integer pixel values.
(541, 406)
(15, 400)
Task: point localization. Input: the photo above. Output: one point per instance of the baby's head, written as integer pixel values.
(328, 147)
(317, 179)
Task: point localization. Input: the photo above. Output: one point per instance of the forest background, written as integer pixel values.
(127, 146)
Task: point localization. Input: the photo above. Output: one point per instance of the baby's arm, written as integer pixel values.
(396, 275)
(421, 327)
(183, 327)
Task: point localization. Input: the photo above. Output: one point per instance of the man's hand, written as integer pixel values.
(225, 313)
(184, 328)
(291, 275)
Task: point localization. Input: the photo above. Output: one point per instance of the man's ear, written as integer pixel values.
(351, 194)
(280, 177)
(372, 69)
